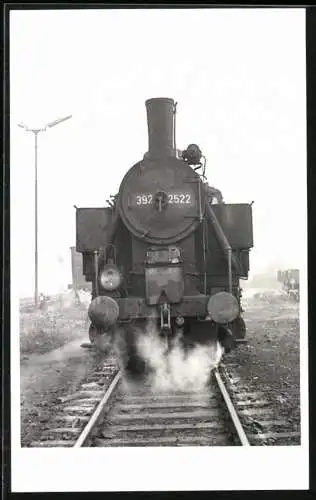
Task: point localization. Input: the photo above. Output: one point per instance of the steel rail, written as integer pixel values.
(232, 412)
(96, 414)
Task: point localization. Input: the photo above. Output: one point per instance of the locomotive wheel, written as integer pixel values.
(103, 342)
(92, 333)
(133, 363)
(226, 338)
(100, 340)
(198, 332)
(239, 328)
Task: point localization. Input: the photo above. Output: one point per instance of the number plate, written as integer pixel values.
(180, 198)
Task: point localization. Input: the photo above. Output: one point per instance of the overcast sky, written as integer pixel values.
(238, 77)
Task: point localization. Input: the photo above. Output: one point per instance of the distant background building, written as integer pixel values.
(290, 279)
(78, 279)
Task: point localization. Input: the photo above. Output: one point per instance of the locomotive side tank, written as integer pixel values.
(162, 251)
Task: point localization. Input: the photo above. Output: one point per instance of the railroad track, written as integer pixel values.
(262, 424)
(75, 411)
(136, 416)
(109, 411)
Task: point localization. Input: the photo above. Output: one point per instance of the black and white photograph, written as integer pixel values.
(158, 249)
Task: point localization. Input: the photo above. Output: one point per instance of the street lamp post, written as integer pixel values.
(36, 131)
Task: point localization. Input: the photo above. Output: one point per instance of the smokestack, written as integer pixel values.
(161, 127)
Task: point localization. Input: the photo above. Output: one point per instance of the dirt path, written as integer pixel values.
(45, 377)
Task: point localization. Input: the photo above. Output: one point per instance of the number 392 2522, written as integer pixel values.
(173, 199)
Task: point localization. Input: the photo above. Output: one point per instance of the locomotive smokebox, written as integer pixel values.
(161, 127)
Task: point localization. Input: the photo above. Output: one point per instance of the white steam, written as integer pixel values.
(178, 370)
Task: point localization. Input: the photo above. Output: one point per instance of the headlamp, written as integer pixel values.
(110, 277)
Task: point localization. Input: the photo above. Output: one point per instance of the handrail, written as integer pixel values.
(225, 244)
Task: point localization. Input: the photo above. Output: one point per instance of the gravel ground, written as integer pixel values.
(47, 377)
(52, 361)
(271, 360)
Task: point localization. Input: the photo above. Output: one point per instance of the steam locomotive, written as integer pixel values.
(163, 251)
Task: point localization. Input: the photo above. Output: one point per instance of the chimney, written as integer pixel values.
(161, 127)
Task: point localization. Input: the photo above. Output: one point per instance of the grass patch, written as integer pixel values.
(44, 330)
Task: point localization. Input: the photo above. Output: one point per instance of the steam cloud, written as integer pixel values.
(178, 370)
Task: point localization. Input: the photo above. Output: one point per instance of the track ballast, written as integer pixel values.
(111, 411)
